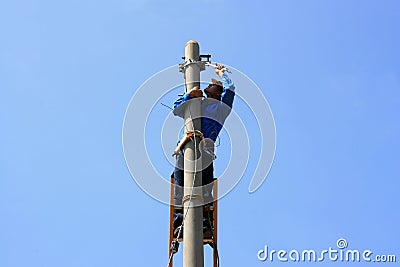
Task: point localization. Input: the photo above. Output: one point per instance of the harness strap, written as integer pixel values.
(185, 138)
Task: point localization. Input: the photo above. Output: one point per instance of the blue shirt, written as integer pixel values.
(213, 111)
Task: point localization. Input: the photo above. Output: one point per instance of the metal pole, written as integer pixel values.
(193, 253)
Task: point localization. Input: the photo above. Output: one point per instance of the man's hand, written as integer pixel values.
(195, 92)
(219, 70)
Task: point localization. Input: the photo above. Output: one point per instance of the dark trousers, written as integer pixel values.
(207, 179)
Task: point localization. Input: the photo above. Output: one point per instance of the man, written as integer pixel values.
(215, 108)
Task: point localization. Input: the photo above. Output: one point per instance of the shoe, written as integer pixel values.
(174, 246)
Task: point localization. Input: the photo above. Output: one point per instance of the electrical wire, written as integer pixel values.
(166, 106)
(194, 174)
(192, 187)
(213, 240)
(216, 65)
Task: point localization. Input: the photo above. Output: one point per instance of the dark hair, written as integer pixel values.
(219, 87)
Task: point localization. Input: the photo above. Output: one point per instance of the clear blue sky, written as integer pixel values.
(68, 69)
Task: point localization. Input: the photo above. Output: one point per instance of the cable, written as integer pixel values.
(166, 106)
(213, 239)
(216, 65)
(192, 188)
(195, 171)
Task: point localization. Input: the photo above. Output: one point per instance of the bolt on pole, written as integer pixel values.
(193, 253)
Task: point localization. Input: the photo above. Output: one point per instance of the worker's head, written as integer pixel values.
(214, 90)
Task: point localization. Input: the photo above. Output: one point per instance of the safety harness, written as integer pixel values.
(206, 144)
(185, 138)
